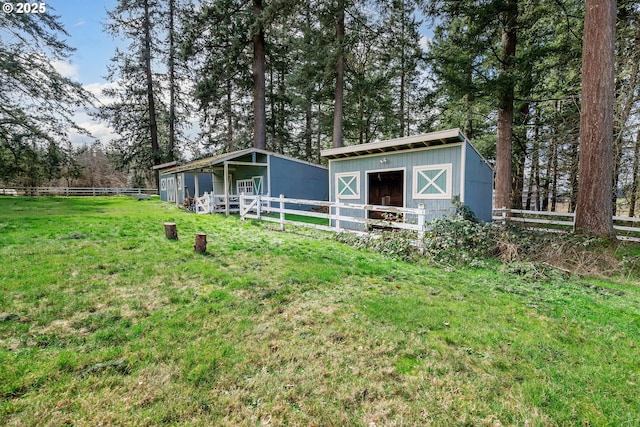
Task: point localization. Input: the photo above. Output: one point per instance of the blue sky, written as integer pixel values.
(84, 21)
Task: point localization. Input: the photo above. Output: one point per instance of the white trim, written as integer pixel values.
(463, 169)
(440, 136)
(268, 176)
(444, 194)
(355, 176)
(163, 184)
(404, 183)
(409, 150)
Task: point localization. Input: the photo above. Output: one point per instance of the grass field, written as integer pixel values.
(103, 321)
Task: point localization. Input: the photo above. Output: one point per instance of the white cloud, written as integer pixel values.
(80, 23)
(99, 130)
(66, 69)
(425, 43)
(96, 90)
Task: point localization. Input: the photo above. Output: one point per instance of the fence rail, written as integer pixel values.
(77, 191)
(336, 214)
(627, 228)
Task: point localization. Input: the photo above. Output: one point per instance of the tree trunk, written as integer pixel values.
(622, 118)
(635, 176)
(201, 243)
(153, 126)
(172, 83)
(505, 108)
(259, 55)
(308, 132)
(573, 175)
(593, 211)
(403, 71)
(339, 96)
(170, 230)
(229, 107)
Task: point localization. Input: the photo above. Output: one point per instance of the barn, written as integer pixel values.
(430, 169)
(251, 171)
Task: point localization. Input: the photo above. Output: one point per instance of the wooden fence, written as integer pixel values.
(626, 228)
(77, 191)
(337, 214)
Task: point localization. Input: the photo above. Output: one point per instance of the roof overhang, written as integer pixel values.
(211, 163)
(450, 136)
(165, 165)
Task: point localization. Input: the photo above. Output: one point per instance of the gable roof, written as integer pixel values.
(450, 136)
(219, 160)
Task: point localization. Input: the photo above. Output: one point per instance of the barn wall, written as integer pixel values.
(408, 160)
(478, 185)
(298, 180)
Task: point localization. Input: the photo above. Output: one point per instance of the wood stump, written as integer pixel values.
(170, 230)
(201, 243)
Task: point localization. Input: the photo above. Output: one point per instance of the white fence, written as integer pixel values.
(627, 228)
(336, 214)
(78, 191)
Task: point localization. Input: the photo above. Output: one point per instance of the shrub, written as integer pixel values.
(455, 240)
(395, 244)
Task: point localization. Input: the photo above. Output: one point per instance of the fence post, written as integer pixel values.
(337, 213)
(504, 215)
(242, 212)
(282, 212)
(259, 206)
(422, 214)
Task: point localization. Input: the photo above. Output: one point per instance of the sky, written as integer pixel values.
(84, 21)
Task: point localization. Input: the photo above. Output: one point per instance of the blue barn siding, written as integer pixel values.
(186, 179)
(407, 160)
(163, 186)
(478, 185)
(204, 183)
(298, 180)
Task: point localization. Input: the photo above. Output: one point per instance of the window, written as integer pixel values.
(251, 186)
(163, 184)
(432, 182)
(244, 186)
(348, 185)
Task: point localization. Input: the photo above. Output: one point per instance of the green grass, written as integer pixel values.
(104, 321)
(302, 218)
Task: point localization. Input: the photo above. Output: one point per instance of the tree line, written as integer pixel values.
(295, 76)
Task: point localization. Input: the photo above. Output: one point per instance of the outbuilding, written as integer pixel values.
(431, 169)
(251, 171)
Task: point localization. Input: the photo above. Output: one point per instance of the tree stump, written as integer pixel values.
(201, 243)
(170, 230)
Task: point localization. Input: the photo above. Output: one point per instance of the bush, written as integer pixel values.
(455, 240)
(395, 244)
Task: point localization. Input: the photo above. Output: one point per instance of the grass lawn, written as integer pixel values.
(103, 321)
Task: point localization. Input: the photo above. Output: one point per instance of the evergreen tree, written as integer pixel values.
(37, 104)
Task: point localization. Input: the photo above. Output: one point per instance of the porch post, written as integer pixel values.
(226, 188)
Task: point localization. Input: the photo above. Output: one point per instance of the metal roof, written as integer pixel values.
(444, 137)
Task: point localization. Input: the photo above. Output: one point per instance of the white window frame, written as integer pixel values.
(245, 184)
(355, 180)
(446, 168)
(163, 184)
